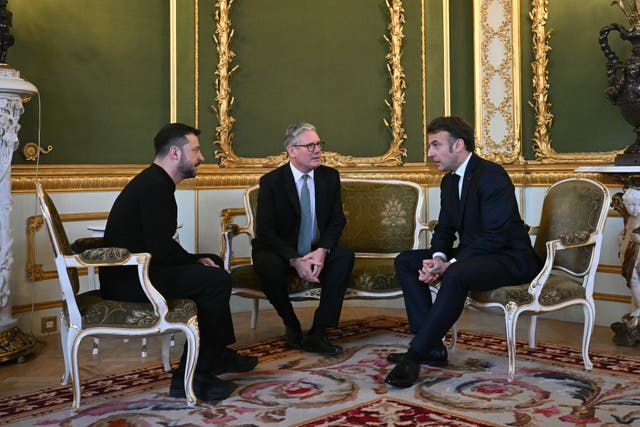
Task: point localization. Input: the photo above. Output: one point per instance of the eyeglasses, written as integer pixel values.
(311, 146)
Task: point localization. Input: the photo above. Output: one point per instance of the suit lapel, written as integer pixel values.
(290, 189)
(321, 193)
(467, 182)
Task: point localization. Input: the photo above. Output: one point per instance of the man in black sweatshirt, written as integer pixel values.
(144, 219)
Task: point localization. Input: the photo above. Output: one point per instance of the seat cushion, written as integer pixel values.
(97, 311)
(369, 275)
(557, 289)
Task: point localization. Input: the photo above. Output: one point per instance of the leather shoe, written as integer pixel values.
(231, 361)
(293, 337)
(317, 342)
(207, 389)
(404, 375)
(434, 357)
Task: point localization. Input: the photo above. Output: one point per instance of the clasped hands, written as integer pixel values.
(432, 270)
(309, 266)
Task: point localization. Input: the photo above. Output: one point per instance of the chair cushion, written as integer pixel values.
(97, 311)
(557, 289)
(369, 275)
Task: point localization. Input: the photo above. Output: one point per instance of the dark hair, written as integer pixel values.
(172, 134)
(457, 127)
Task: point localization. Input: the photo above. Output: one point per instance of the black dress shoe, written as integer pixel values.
(293, 337)
(231, 361)
(404, 375)
(318, 342)
(434, 357)
(206, 388)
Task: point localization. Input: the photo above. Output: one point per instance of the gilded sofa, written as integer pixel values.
(384, 217)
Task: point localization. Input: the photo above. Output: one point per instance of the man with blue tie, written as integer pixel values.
(478, 206)
(299, 220)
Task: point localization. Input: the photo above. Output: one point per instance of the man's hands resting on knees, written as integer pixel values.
(309, 266)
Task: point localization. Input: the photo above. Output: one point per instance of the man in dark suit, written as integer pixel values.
(477, 202)
(143, 219)
(298, 223)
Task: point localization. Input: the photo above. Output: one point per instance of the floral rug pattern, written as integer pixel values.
(292, 388)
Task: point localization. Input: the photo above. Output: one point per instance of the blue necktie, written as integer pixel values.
(305, 234)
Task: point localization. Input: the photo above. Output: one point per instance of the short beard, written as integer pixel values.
(186, 170)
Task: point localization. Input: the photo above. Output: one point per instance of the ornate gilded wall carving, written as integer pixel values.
(542, 148)
(224, 98)
(497, 80)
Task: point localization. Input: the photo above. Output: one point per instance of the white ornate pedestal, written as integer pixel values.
(13, 92)
(627, 331)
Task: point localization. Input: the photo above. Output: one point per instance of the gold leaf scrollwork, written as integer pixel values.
(224, 99)
(544, 118)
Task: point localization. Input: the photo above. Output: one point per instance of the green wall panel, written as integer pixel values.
(102, 69)
(322, 62)
(584, 119)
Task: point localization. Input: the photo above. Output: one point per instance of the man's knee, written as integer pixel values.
(407, 260)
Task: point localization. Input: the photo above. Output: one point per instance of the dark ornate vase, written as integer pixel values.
(624, 86)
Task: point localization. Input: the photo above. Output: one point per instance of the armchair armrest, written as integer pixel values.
(104, 256)
(565, 241)
(230, 230)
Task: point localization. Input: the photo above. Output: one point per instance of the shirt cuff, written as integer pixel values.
(439, 254)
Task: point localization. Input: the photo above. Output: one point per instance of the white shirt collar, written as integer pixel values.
(297, 175)
(463, 167)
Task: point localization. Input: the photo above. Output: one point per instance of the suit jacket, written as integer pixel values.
(486, 217)
(278, 211)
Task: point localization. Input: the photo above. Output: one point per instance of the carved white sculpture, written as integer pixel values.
(629, 239)
(13, 90)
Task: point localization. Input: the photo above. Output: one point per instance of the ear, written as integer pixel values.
(174, 152)
(459, 145)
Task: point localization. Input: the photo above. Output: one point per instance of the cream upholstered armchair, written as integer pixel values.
(568, 239)
(88, 314)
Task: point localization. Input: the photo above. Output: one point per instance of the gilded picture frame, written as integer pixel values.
(224, 98)
(542, 147)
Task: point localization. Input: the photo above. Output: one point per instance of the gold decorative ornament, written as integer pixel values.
(497, 80)
(544, 118)
(224, 99)
(631, 9)
(31, 150)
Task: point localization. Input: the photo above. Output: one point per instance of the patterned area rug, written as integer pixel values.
(292, 388)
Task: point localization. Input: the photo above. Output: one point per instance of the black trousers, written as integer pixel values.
(275, 272)
(208, 287)
(430, 320)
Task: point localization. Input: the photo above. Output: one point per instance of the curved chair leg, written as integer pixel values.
(511, 318)
(65, 341)
(95, 348)
(454, 338)
(166, 343)
(75, 374)
(193, 347)
(143, 350)
(589, 311)
(532, 331)
(254, 313)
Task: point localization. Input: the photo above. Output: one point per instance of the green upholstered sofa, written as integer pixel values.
(384, 217)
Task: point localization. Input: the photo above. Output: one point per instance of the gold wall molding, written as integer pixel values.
(35, 272)
(224, 98)
(497, 80)
(85, 178)
(542, 148)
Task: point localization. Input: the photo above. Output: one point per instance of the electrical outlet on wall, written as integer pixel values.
(49, 324)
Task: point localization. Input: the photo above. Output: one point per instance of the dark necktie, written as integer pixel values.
(456, 188)
(305, 233)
